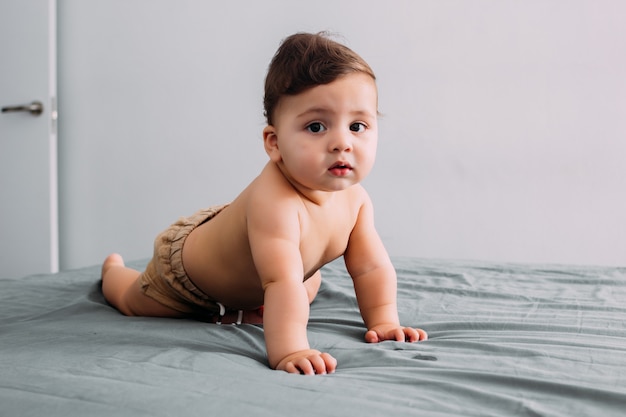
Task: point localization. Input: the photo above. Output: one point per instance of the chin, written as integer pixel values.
(339, 187)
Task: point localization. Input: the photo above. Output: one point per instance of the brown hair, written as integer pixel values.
(305, 60)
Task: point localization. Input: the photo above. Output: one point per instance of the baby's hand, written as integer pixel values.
(308, 362)
(394, 332)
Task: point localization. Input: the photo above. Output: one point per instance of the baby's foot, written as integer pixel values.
(113, 259)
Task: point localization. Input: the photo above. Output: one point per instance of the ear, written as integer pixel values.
(270, 142)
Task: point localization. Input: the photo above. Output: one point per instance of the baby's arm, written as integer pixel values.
(274, 236)
(375, 282)
(285, 317)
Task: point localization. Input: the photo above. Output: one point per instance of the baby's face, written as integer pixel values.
(327, 136)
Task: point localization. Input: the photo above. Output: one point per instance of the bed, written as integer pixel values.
(505, 340)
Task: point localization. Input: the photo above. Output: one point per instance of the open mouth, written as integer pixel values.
(341, 165)
(340, 169)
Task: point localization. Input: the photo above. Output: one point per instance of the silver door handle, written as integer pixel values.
(35, 108)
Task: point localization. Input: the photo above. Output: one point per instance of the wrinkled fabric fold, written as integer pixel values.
(504, 339)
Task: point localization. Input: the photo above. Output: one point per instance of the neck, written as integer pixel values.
(314, 196)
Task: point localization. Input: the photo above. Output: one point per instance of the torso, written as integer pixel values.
(217, 255)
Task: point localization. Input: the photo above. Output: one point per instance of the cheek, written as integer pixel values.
(368, 160)
(369, 152)
(299, 157)
(306, 160)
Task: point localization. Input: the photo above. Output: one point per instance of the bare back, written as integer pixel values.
(217, 255)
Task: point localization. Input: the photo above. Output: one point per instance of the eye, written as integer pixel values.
(316, 127)
(357, 127)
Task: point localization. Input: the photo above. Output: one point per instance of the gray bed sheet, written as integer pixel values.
(505, 340)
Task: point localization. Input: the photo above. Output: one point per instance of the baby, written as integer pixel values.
(305, 209)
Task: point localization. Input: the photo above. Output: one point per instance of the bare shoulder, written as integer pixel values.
(271, 208)
(269, 195)
(360, 200)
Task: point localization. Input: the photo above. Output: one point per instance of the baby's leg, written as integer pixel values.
(122, 289)
(312, 285)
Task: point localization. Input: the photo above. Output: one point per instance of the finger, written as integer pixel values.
(318, 364)
(396, 334)
(415, 335)
(305, 366)
(423, 334)
(372, 337)
(291, 368)
(411, 334)
(331, 363)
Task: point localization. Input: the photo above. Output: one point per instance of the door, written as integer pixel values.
(28, 145)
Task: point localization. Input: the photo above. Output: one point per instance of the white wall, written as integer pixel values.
(503, 137)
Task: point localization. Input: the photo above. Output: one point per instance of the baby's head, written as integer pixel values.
(305, 60)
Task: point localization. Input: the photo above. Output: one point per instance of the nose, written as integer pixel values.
(341, 141)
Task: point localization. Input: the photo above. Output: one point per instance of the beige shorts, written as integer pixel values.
(165, 279)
